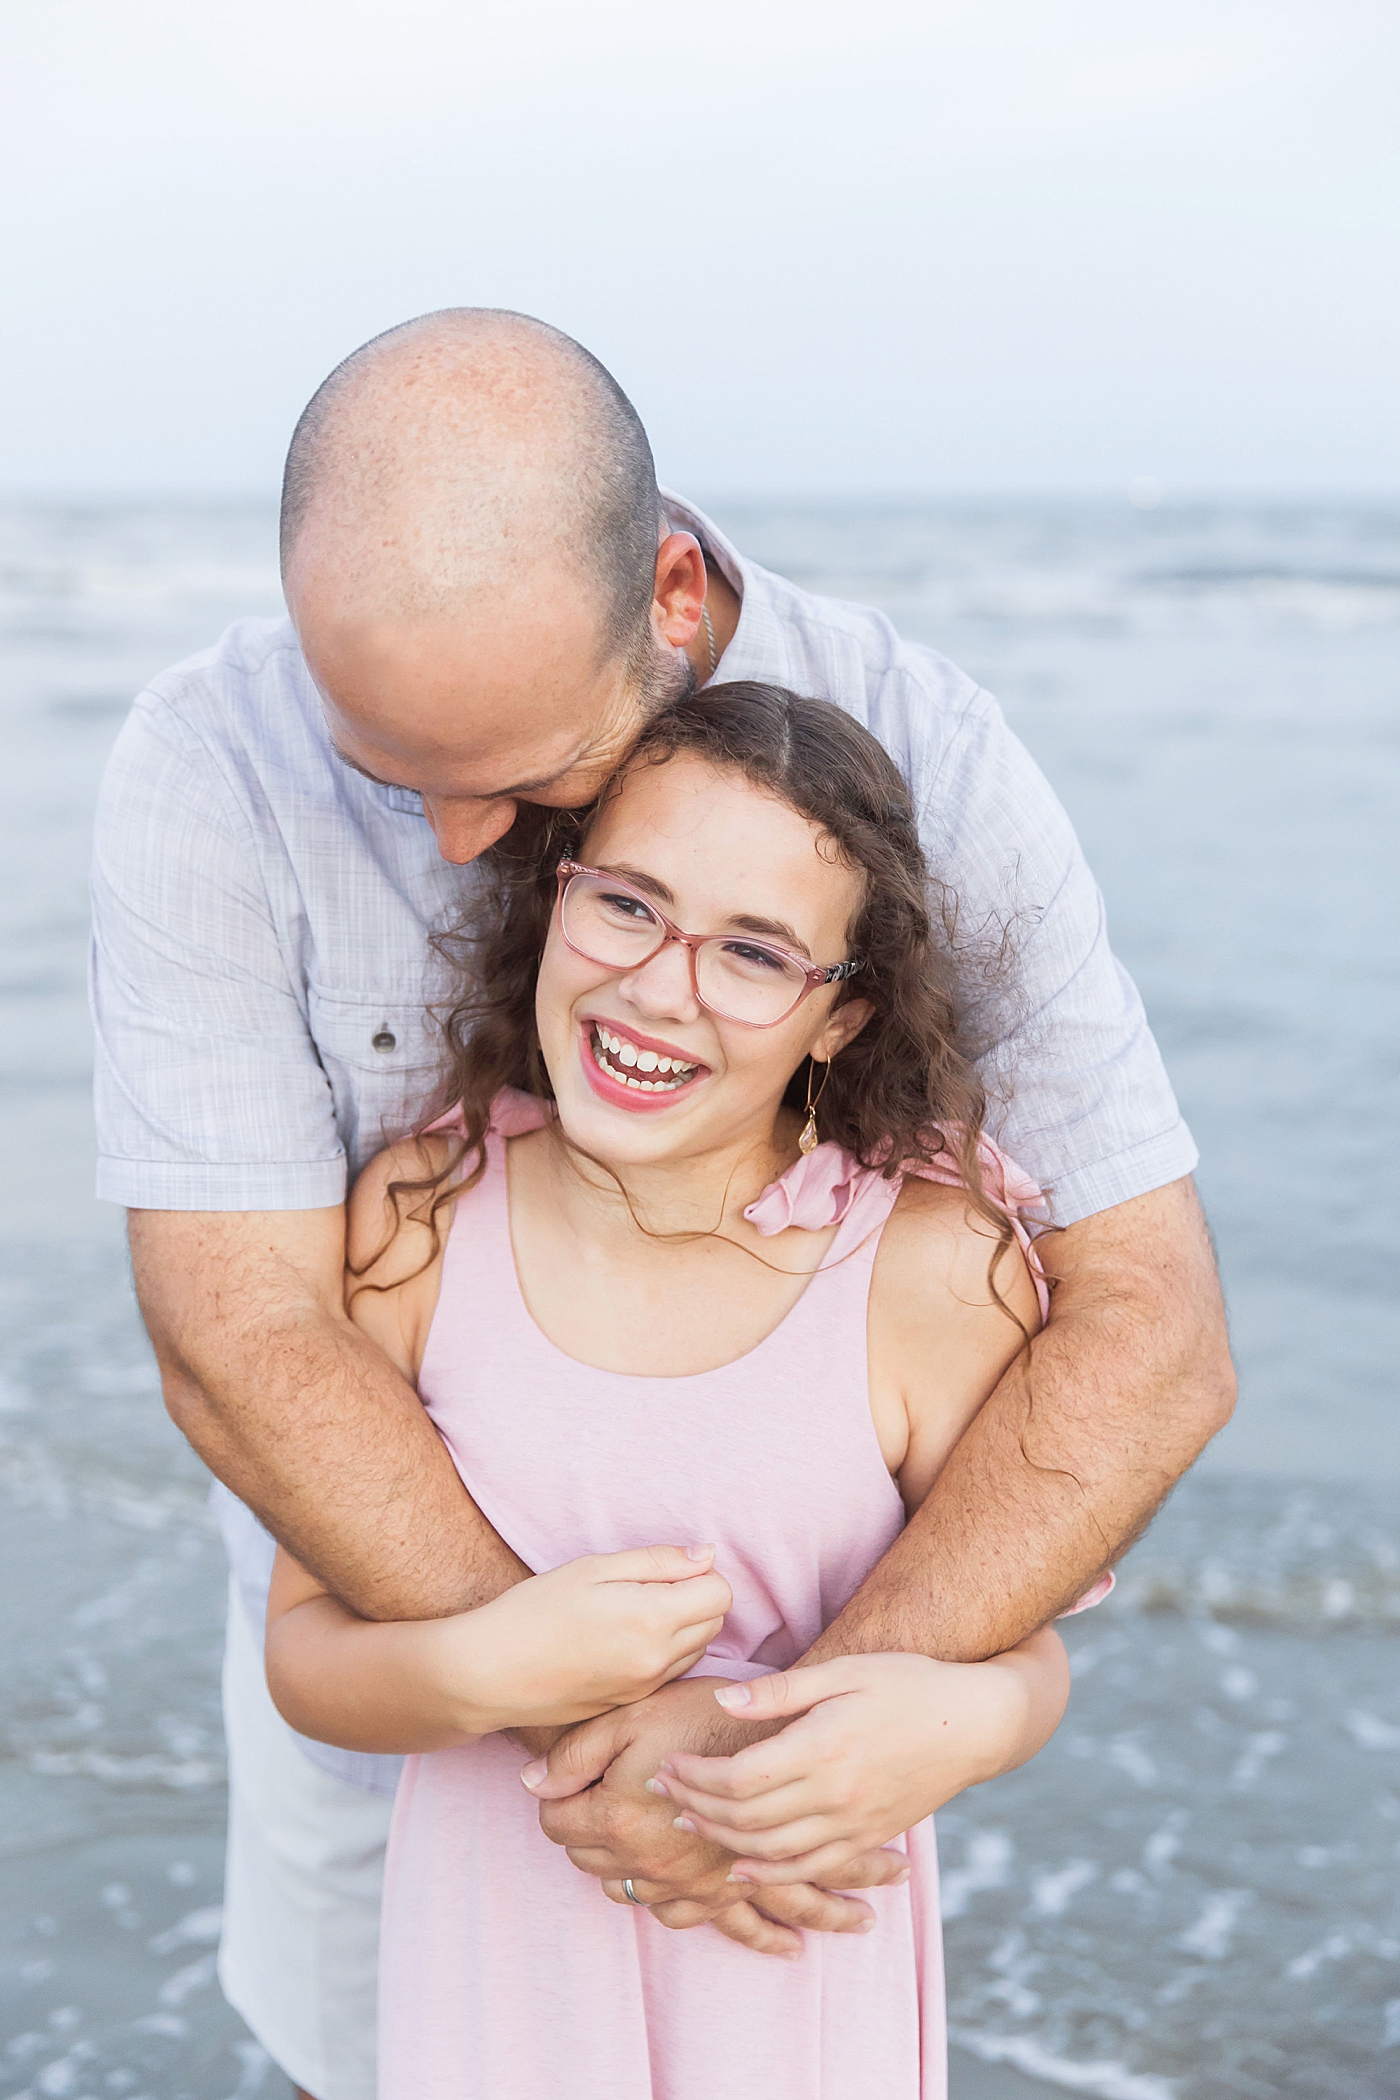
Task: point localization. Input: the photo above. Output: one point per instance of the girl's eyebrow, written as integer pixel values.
(640, 880)
(775, 929)
(745, 922)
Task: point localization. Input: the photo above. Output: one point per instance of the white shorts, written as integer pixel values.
(300, 1948)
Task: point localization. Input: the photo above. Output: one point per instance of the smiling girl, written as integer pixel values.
(643, 1303)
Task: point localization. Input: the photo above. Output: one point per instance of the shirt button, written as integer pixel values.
(385, 1041)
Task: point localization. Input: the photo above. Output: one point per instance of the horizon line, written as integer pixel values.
(1168, 496)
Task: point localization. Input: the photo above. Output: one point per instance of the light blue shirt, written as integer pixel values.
(260, 964)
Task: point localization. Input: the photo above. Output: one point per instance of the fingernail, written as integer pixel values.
(866, 1925)
(534, 1772)
(746, 1879)
(735, 1695)
(654, 1786)
(683, 1823)
(900, 1878)
(792, 1954)
(699, 1552)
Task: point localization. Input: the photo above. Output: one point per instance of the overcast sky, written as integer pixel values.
(825, 244)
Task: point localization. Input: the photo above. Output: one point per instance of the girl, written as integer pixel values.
(644, 1304)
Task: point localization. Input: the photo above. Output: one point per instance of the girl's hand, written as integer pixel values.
(597, 1633)
(885, 1740)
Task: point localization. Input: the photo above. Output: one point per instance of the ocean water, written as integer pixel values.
(1195, 1891)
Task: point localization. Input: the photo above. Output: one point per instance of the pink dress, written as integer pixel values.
(506, 1974)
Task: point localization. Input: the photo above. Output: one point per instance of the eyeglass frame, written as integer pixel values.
(816, 974)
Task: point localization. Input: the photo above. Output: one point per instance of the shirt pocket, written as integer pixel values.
(384, 1060)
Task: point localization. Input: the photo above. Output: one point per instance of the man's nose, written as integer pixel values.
(464, 829)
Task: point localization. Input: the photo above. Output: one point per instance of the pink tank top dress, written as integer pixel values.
(506, 1974)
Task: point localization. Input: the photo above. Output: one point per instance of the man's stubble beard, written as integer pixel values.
(660, 678)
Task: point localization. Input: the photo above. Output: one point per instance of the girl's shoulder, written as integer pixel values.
(937, 1252)
(939, 1262)
(395, 1240)
(388, 1203)
(951, 1308)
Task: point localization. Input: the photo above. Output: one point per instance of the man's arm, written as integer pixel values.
(1067, 1463)
(303, 1416)
(1054, 1479)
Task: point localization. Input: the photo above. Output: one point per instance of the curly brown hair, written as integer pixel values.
(905, 1089)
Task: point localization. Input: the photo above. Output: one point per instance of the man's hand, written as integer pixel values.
(594, 1801)
(883, 1742)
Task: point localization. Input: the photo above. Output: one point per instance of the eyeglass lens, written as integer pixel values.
(741, 979)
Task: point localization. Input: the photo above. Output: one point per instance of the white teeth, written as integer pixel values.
(613, 1051)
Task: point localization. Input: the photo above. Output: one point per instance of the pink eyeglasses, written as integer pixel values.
(607, 921)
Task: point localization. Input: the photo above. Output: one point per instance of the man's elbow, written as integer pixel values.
(190, 1408)
(1221, 1392)
(1207, 1389)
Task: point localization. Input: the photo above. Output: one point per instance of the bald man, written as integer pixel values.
(488, 596)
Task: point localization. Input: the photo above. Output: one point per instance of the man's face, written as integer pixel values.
(516, 700)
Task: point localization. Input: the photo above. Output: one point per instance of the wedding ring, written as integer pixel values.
(631, 1894)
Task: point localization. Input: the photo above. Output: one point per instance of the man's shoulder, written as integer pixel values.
(250, 679)
(228, 736)
(944, 731)
(840, 633)
(908, 694)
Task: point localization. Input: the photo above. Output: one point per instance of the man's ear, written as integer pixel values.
(843, 1027)
(678, 593)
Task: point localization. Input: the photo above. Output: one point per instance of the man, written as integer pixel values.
(487, 598)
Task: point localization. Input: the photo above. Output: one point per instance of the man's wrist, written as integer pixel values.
(710, 1731)
(539, 1740)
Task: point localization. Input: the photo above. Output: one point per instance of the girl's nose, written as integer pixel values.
(664, 987)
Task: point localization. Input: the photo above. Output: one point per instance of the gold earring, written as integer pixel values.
(808, 1140)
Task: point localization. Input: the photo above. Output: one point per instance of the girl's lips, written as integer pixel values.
(631, 1098)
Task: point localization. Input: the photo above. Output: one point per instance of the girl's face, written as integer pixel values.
(719, 857)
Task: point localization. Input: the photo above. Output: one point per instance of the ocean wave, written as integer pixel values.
(1083, 601)
(1089, 569)
(1110, 2081)
(65, 1482)
(180, 1774)
(1313, 1559)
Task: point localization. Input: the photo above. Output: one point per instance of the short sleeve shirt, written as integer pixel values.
(261, 963)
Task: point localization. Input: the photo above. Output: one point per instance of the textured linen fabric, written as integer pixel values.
(505, 1974)
(260, 911)
(259, 920)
